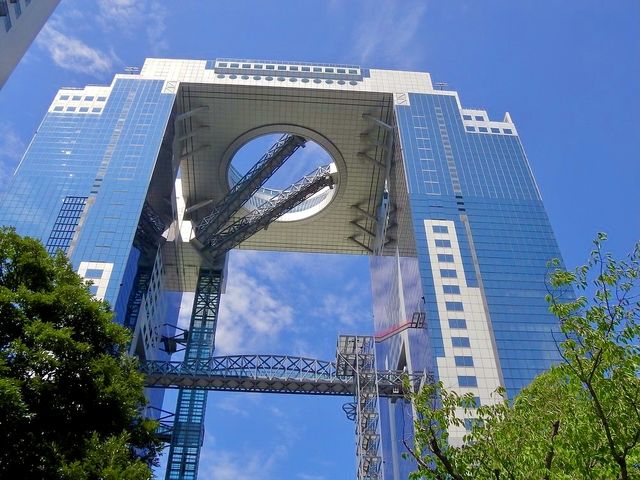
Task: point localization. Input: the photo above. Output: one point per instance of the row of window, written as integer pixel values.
(291, 79)
(289, 68)
(470, 128)
(80, 109)
(460, 342)
(77, 98)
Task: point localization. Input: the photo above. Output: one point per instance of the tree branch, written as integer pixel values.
(549, 460)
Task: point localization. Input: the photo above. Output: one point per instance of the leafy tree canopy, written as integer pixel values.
(70, 398)
(580, 419)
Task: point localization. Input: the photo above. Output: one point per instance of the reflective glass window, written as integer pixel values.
(454, 306)
(460, 341)
(467, 381)
(457, 323)
(464, 361)
(451, 289)
(448, 273)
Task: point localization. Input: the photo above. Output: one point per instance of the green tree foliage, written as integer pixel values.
(580, 419)
(70, 397)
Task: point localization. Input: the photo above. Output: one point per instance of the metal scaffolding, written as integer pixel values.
(356, 357)
(188, 426)
(248, 185)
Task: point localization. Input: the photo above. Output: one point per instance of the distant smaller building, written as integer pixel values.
(20, 22)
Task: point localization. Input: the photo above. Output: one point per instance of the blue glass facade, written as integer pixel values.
(105, 158)
(482, 241)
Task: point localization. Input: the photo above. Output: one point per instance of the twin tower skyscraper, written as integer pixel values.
(441, 198)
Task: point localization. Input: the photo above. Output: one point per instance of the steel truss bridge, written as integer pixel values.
(268, 374)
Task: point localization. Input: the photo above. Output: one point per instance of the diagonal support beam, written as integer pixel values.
(378, 122)
(242, 191)
(260, 218)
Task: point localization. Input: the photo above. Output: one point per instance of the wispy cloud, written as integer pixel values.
(244, 465)
(306, 476)
(11, 149)
(386, 32)
(73, 54)
(252, 317)
(349, 307)
(132, 16)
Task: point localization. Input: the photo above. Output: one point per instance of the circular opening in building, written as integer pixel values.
(304, 162)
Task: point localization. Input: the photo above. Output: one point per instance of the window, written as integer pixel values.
(353, 72)
(84, 109)
(476, 402)
(76, 98)
(64, 97)
(57, 109)
(222, 65)
(293, 68)
(483, 129)
(282, 67)
(464, 361)
(317, 69)
(102, 99)
(93, 290)
(89, 99)
(440, 229)
(71, 109)
(96, 110)
(258, 66)
(457, 323)
(234, 65)
(443, 243)
(93, 273)
(328, 70)
(454, 289)
(470, 129)
(461, 342)
(271, 67)
(445, 257)
(246, 65)
(454, 306)
(467, 117)
(508, 131)
(467, 381)
(495, 130)
(448, 273)
(342, 70)
(479, 118)
(305, 69)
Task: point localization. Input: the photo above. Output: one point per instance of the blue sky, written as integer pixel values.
(568, 71)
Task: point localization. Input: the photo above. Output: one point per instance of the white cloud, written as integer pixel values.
(11, 149)
(349, 307)
(387, 32)
(73, 54)
(251, 316)
(132, 16)
(216, 464)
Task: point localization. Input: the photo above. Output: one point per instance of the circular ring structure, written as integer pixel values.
(313, 205)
